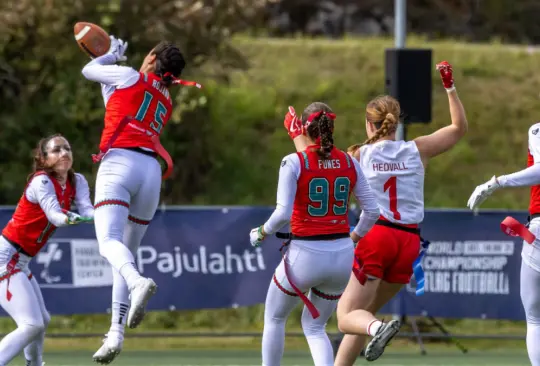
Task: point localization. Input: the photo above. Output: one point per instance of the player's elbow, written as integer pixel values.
(87, 72)
(460, 128)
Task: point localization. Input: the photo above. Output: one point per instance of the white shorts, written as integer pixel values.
(131, 179)
(6, 253)
(324, 266)
(530, 253)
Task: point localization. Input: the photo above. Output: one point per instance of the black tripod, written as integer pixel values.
(432, 320)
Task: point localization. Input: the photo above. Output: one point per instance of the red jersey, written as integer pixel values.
(321, 204)
(29, 226)
(534, 205)
(149, 102)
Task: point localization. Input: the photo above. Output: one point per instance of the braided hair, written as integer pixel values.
(169, 62)
(383, 112)
(321, 126)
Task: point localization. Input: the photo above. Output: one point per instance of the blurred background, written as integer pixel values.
(254, 59)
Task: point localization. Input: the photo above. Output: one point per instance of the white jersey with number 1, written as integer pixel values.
(395, 172)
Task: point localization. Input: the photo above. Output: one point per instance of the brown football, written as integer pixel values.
(92, 39)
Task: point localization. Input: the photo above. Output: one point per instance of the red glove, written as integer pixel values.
(293, 124)
(445, 69)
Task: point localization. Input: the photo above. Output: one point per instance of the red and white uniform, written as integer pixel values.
(530, 253)
(530, 177)
(323, 188)
(313, 195)
(37, 215)
(533, 157)
(395, 172)
(124, 173)
(146, 101)
(39, 211)
(129, 178)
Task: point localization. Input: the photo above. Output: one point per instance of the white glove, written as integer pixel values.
(118, 48)
(74, 218)
(482, 192)
(256, 236)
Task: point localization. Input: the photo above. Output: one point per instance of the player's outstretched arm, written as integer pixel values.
(103, 69)
(526, 177)
(445, 138)
(41, 191)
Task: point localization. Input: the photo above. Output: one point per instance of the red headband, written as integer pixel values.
(312, 116)
(182, 82)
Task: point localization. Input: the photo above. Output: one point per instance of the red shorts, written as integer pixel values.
(387, 253)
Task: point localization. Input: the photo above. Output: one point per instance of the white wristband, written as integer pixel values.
(449, 90)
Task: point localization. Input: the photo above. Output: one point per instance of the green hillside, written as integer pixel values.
(499, 86)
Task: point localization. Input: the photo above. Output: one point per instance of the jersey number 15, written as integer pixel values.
(161, 112)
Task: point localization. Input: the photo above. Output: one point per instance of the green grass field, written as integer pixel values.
(232, 357)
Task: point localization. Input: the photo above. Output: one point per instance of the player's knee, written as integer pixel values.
(341, 324)
(532, 309)
(46, 319)
(33, 328)
(106, 245)
(312, 327)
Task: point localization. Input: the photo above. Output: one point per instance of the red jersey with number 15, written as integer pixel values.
(148, 101)
(321, 204)
(29, 226)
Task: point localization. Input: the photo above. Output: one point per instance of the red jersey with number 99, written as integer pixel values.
(321, 204)
(395, 173)
(148, 101)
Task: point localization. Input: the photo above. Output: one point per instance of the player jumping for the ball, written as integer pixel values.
(129, 178)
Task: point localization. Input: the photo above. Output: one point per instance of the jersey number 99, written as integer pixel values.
(319, 194)
(161, 112)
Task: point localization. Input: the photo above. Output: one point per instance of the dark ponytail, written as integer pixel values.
(321, 126)
(325, 132)
(169, 62)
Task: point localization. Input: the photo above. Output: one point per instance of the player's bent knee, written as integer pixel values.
(311, 327)
(33, 329)
(531, 319)
(341, 325)
(46, 319)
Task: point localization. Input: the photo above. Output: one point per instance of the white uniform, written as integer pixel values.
(395, 172)
(333, 262)
(530, 266)
(26, 306)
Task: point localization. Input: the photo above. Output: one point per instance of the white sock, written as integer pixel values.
(373, 327)
(120, 303)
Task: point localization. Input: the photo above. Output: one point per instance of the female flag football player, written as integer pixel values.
(530, 264)
(313, 195)
(384, 257)
(44, 205)
(137, 107)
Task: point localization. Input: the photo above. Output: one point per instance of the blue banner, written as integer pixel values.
(201, 258)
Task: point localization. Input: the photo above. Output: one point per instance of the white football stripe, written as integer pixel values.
(82, 33)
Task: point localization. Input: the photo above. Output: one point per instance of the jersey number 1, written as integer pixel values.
(161, 112)
(391, 187)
